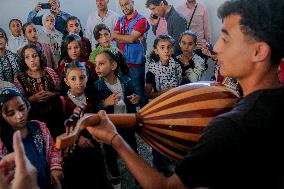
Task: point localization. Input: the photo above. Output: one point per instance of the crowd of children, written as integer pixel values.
(54, 72)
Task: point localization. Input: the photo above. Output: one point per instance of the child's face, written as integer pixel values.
(49, 23)
(164, 50)
(32, 59)
(31, 33)
(74, 50)
(104, 39)
(73, 26)
(3, 41)
(104, 67)
(187, 44)
(16, 113)
(76, 79)
(16, 28)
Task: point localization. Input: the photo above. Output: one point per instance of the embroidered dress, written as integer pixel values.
(40, 150)
(193, 70)
(49, 111)
(10, 65)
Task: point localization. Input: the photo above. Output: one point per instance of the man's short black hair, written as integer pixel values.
(261, 20)
(155, 2)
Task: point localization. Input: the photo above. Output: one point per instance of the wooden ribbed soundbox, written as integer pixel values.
(171, 123)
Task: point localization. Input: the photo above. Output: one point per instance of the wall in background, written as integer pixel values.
(20, 8)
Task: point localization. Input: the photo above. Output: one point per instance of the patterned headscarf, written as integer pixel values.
(7, 93)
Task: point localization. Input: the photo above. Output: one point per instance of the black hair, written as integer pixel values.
(15, 19)
(75, 64)
(64, 47)
(6, 131)
(153, 55)
(98, 28)
(39, 52)
(73, 18)
(25, 27)
(155, 2)
(190, 33)
(261, 20)
(116, 56)
(3, 32)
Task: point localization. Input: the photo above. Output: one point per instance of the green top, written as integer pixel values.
(93, 54)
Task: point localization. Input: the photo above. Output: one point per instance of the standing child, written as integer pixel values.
(73, 26)
(192, 65)
(31, 34)
(16, 40)
(87, 156)
(40, 85)
(72, 51)
(38, 143)
(51, 36)
(163, 72)
(103, 37)
(10, 63)
(115, 94)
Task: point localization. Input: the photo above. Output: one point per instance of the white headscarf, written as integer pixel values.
(44, 20)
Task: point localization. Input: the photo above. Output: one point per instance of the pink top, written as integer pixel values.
(162, 27)
(199, 23)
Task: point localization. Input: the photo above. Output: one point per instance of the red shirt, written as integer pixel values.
(140, 26)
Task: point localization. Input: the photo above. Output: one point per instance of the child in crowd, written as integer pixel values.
(40, 85)
(38, 143)
(30, 32)
(71, 51)
(51, 36)
(115, 94)
(192, 65)
(10, 64)
(73, 26)
(163, 72)
(87, 156)
(103, 37)
(16, 40)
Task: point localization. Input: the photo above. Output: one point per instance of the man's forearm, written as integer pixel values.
(124, 38)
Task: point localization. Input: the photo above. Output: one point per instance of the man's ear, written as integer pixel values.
(261, 52)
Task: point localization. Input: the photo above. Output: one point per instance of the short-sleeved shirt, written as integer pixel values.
(140, 26)
(242, 148)
(161, 76)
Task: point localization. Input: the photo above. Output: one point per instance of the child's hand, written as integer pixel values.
(38, 97)
(112, 100)
(85, 142)
(134, 99)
